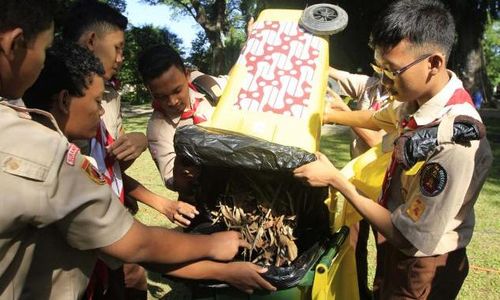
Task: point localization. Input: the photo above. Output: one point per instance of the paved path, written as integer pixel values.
(136, 110)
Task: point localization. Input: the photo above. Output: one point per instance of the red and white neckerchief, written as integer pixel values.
(110, 169)
(459, 97)
(187, 114)
(107, 165)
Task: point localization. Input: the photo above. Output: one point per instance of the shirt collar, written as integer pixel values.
(433, 109)
(193, 95)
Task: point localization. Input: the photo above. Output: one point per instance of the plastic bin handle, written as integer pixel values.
(333, 248)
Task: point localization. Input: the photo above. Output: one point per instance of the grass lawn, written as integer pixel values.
(483, 281)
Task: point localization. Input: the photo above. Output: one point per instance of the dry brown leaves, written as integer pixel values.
(271, 237)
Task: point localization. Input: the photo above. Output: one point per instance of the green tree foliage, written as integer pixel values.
(201, 52)
(137, 40)
(222, 22)
(491, 46)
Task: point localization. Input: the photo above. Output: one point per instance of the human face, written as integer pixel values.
(108, 47)
(84, 113)
(24, 65)
(171, 91)
(410, 79)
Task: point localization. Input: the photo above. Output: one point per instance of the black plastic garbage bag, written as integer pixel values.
(222, 148)
(416, 145)
(234, 162)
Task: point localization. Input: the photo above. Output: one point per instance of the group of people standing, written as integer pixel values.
(66, 232)
(65, 225)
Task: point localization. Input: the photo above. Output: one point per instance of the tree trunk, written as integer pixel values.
(217, 65)
(467, 56)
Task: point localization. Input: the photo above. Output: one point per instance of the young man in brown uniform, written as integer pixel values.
(43, 184)
(426, 214)
(101, 29)
(176, 103)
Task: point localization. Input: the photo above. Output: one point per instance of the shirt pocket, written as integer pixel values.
(24, 168)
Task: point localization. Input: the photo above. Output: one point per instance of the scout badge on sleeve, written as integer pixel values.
(433, 179)
(92, 172)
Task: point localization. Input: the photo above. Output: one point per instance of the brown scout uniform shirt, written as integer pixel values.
(370, 95)
(46, 188)
(112, 117)
(161, 131)
(433, 208)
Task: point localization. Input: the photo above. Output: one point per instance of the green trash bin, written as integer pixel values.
(299, 288)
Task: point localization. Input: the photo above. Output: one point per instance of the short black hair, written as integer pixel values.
(68, 66)
(423, 22)
(156, 60)
(92, 15)
(32, 16)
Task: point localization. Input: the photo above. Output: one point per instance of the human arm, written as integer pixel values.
(245, 276)
(178, 212)
(339, 113)
(359, 118)
(95, 219)
(164, 246)
(322, 173)
(336, 104)
(353, 85)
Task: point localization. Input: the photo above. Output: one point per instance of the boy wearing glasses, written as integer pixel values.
(426, 214)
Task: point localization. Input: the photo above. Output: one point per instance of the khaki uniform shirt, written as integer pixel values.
(44, 185)
(112, 111)
(433, 208)
(160, 134)
(369, 93)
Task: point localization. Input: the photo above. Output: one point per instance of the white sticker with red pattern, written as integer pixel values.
(281, 59)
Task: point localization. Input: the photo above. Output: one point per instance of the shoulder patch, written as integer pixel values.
(416, 209)
(433, 179)
(92, 172)
(71, 154)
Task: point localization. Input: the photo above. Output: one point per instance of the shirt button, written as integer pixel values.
(12, 164)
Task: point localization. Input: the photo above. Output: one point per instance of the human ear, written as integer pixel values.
(63, 101)
(11, 41)
(88, 40)
(437, 62)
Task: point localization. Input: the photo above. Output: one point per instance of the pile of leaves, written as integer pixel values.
(270, 236)
(277, 215)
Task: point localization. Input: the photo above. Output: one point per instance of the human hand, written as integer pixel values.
(128, 146)
(246, 277)
(317, 173)
(334, 104)
(225, 245)
(179, 212)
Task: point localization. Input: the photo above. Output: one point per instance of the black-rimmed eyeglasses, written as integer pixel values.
(392, 74)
